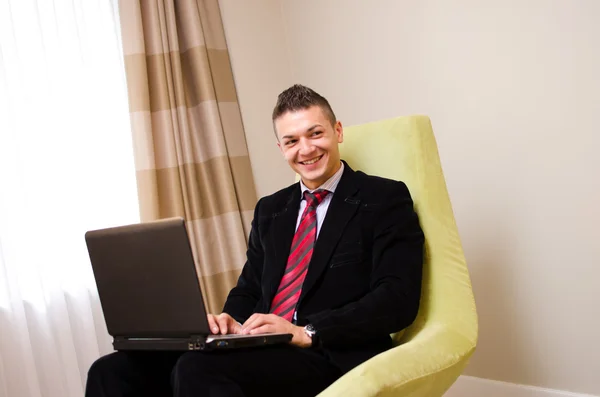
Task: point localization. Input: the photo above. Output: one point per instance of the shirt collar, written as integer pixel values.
(330, 184)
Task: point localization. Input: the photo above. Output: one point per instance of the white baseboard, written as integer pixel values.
(468, 386)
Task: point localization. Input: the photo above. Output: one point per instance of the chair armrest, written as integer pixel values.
(426, 366)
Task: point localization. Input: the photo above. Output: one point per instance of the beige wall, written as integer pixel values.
(513, 90)
(255, 37)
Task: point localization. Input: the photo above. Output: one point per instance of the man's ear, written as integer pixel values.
(339, 131)
(277, 138)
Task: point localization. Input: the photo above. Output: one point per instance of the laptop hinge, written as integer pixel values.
(193, 342)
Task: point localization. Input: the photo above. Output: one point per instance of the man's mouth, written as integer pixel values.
(311, 161)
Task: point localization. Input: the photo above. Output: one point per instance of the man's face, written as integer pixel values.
(309, 144)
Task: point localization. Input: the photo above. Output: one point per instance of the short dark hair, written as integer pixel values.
(299, 97)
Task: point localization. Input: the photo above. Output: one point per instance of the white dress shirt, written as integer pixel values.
(330, 185)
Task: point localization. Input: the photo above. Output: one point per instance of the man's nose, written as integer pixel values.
(305, 147)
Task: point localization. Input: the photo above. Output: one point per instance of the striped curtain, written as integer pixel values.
(190, 150)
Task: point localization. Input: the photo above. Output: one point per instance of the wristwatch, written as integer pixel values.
(312, 333)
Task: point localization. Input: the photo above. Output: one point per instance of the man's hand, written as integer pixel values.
(223, 324)
(272, 324)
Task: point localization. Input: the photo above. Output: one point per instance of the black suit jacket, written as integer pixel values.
(364, 278)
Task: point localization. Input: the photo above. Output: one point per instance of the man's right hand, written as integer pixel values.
(223, 324)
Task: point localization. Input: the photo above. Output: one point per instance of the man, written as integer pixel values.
(335, 260)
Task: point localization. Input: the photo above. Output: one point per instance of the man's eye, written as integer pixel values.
(316, 133)
(288, 143)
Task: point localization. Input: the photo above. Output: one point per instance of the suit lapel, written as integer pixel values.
(282, 234)
(342, 208)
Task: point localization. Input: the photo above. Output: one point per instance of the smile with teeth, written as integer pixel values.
(311, 161)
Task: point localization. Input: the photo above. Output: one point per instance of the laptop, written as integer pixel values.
(149, 290)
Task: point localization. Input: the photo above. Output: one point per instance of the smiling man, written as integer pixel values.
(308, 139)
(335, 260)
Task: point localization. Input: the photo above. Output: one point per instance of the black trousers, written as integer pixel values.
(282, 370)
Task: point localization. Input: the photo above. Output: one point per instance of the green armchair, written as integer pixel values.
(430, 354)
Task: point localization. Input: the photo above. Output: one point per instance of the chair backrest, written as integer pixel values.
(405, 149)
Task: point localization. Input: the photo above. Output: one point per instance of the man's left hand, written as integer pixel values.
(273, 324)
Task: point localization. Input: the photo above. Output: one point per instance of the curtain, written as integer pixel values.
(190, 151)
(66, 166)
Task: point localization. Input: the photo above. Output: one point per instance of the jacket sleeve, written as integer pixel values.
(242, 299)
(395, 283)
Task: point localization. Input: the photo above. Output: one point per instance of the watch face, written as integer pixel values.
(312, 332)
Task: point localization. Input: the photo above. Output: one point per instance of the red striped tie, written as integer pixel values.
(287, 295)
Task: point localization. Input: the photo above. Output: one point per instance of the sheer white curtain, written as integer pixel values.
(66, 166)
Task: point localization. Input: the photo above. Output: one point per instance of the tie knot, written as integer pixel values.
(314, 199)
